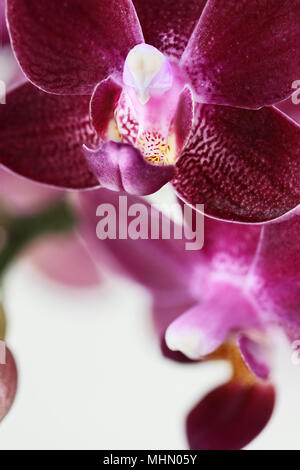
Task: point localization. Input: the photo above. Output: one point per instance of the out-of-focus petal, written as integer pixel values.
(168, 25)
(161, 265)
(202, 329)
(8, 383)
(68, 47)
(65, 260)
(277, 269)
(243, 165)
(121, 167)
(230, 416)
(41, 137)
(245, 54)
(255, 356)
(23, 196)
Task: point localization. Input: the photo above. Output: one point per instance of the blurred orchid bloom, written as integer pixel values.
(140, 93)
(222, 302)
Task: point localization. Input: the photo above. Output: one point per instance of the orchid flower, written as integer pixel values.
(132, 94)
(222, 302)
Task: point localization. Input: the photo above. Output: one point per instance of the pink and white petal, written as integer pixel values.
(202, 329)
(41, 137)
(160, 265)
(8, 383)
(276, 285)
(168, 25)
(103, 103)
(121, 167)
(245, 54)
(243, 165)
(230, 416)
(256, 356)
(65, 260)
(68, 47)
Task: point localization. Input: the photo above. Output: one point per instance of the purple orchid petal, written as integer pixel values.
(230, 416)
(202, 329)
(68, 47)
(245, 54)
(8, 383)
(161, 265)
(183, 119)
(255, 356)
(64, 259)
(121, 167)
(103, 102)
(168, 25)
(277, 268)
(41, 137)
(292, 110)
(242, 165)
(4, 38)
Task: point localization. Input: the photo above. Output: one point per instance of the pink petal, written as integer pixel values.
(168, 25)
(203, 328)
(68, 47)
(242, 165)
(230, 416)
(277, 268)
(41, 137)
(255, 356)
(161, 265)
(8, 383)
(65, 259)
(121, 167)
(245, 53)
(23, 196)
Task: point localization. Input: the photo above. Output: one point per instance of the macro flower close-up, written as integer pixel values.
(149, 227)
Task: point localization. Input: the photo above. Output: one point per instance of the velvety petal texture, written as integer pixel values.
(8, 383)
(230, 416)
(168, 25)
(122, 167)
(3, 30)
(245, 53)
(243, 165)
(41, 137)
(68, 47)
(103, 102)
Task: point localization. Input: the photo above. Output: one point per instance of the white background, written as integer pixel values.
(91, 375)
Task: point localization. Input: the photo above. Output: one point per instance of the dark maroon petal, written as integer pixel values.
(3, 30)
(245, 53)
(230, 416)
(41, 137)
(103, 102)
(8, 383)
(68, 47)
(255, 356)
(168, 25)
(277, 266)
(242, 165)
(121, 167)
